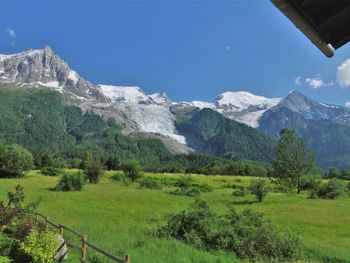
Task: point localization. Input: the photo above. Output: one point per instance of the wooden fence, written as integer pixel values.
(45, 222)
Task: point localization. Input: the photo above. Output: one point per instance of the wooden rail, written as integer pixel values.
(84, 243)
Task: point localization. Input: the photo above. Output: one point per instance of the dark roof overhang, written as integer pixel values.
(325, 22)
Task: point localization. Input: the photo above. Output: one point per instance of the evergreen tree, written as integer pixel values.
(293, 160)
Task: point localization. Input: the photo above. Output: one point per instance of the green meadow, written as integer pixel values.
(122, 218)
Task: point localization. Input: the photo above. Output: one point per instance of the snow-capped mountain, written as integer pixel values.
(130, 106)
(240, 106)
(154, 114)
(314, 110)
(44, 68)
(149, 113)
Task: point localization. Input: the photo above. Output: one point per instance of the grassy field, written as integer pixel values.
(121, 218)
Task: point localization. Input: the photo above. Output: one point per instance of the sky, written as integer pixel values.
(191, 50)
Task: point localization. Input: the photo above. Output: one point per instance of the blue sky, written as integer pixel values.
(192, 50)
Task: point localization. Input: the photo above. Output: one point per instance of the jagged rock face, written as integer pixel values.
(45, 68)
(313, 110)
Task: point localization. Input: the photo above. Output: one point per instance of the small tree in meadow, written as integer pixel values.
(259, 189)
(15, 160)
(293, 160)
(132, 169)
(93, 170)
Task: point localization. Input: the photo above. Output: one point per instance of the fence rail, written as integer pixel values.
(84, 243)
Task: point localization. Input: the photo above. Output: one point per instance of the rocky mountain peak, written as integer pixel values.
(44, 68)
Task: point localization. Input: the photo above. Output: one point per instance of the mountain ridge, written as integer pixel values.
(159, 117)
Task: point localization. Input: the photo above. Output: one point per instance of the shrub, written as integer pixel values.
(259, 189)
(150, 183)
(309, 182)
(23, 228)
(333, 173)
(51, 171)
(205, 188)
(14, 210)
(246, 234)
(16, 197)
(184, 181)
(40, 245)
(70, 182)
(132, 169)
(112, 163)
(186, 186)
(168, 181)
(5, 244)
(239, 192)
(121, 177)
(191, 191)
(93, 170)
(333, 189)
(5, 260)
(233, 186)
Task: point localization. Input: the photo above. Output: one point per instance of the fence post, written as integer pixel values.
(36, 218)
(61, 230)
(46, 222)
(83, 247)
(127, 259)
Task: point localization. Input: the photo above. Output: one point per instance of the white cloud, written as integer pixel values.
(317, 83)
(11, 32)
(297, 81)
(228, 48)
(347, 104)
(343, 74)
(12, 35)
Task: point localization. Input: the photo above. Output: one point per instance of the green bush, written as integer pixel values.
(239, 192)
(246, 234)
(51, 171)
(150, 183)
(205, 188)
(5, 260)
(5, 244)
(40, 245)
(132, 169)
(192, 190)
(309, 182)
(233, 186)
(186, 186)
(184, 181)
(70, 182)
(121, 177)
(259, 189)
(333, 189)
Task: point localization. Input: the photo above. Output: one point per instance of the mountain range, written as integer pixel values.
(236, 125)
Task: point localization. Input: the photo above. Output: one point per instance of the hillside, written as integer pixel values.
(209, 132)
(329, 140)
(43, 122)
